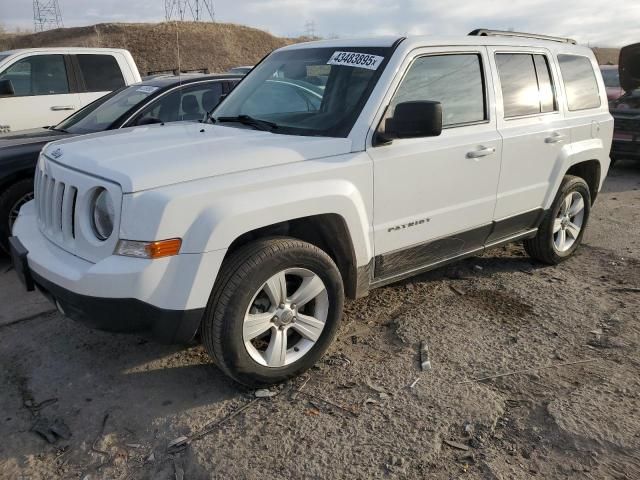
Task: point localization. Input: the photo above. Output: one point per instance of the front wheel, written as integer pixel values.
(564, 224)
(274, 311)
(11, 200)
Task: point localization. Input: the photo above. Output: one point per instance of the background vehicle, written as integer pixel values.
(42, 86)
(240, 70)
(611, 79)
(626, 109)
(423, 151)
(165, 99)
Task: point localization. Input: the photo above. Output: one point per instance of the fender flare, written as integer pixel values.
(584, 151)
(218, 225)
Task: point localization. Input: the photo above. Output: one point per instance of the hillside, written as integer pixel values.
(216, 46)
(607, 56)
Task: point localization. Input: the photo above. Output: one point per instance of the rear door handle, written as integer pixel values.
(554, 138)
(481, 152)
(57, 108)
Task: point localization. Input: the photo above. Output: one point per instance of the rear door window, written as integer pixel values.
(580, 82)
(38, 75)
(527, 87)
(101, 72)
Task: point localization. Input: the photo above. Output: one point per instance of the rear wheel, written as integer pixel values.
(562, 229)
(11, 200)
(274, 311)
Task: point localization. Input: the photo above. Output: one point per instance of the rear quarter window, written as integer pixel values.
(580, 82)
(101, 73)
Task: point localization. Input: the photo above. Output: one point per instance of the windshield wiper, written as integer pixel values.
(248, 120)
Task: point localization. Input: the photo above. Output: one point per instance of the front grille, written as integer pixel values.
(63, 198)
(56, 205)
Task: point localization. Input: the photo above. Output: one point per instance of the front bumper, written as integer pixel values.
(123, 314)
(166, 297)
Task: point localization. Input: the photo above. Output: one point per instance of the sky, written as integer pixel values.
(595, 22)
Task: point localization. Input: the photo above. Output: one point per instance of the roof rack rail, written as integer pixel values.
(484, 32)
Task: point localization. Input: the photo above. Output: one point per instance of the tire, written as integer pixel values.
(16, 195)
(242, 290)
(547, 246)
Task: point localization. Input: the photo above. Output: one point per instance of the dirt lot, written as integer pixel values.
(124, 399)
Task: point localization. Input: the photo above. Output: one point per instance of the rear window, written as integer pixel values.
(527, 87)
(101, 73)
(579, 82)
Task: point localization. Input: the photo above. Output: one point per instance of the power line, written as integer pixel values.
(46, 15)
(194, 10)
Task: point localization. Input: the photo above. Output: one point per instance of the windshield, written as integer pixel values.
(611, 77)
(309, 91)
(101, 114)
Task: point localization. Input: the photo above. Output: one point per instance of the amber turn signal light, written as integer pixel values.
(149, 250)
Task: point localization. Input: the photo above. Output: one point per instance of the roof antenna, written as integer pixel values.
(178, 48)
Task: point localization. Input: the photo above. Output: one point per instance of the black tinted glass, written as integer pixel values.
(101, 73)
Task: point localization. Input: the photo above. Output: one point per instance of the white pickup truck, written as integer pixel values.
(334, 167)
(43, 86)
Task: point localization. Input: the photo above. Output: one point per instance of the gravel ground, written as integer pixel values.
(124, 399)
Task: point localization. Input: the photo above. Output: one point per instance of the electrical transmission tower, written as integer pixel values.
(310, 29)
(195, 10)
(46, 15)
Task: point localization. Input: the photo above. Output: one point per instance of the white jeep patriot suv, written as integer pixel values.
(332, 168)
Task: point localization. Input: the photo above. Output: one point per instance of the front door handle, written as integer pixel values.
(554, 138)
(481, 152)
(57, 108)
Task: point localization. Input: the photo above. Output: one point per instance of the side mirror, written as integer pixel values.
(414, 119)
(6, 88)
(148, 121)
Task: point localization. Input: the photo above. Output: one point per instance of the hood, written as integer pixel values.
(25, 137)
(629, 67)
(141, 158)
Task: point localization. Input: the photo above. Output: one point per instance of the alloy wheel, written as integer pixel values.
(569, 221)
(286, 317)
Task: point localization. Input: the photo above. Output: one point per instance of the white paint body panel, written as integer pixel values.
(433, 179)
(210, 184)
(20, 113)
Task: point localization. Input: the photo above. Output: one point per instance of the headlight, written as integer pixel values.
(103, 214)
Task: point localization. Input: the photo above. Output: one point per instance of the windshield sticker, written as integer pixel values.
(354, 59)
(147, 89)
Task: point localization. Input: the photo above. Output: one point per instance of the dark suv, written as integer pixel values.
(626, 109)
